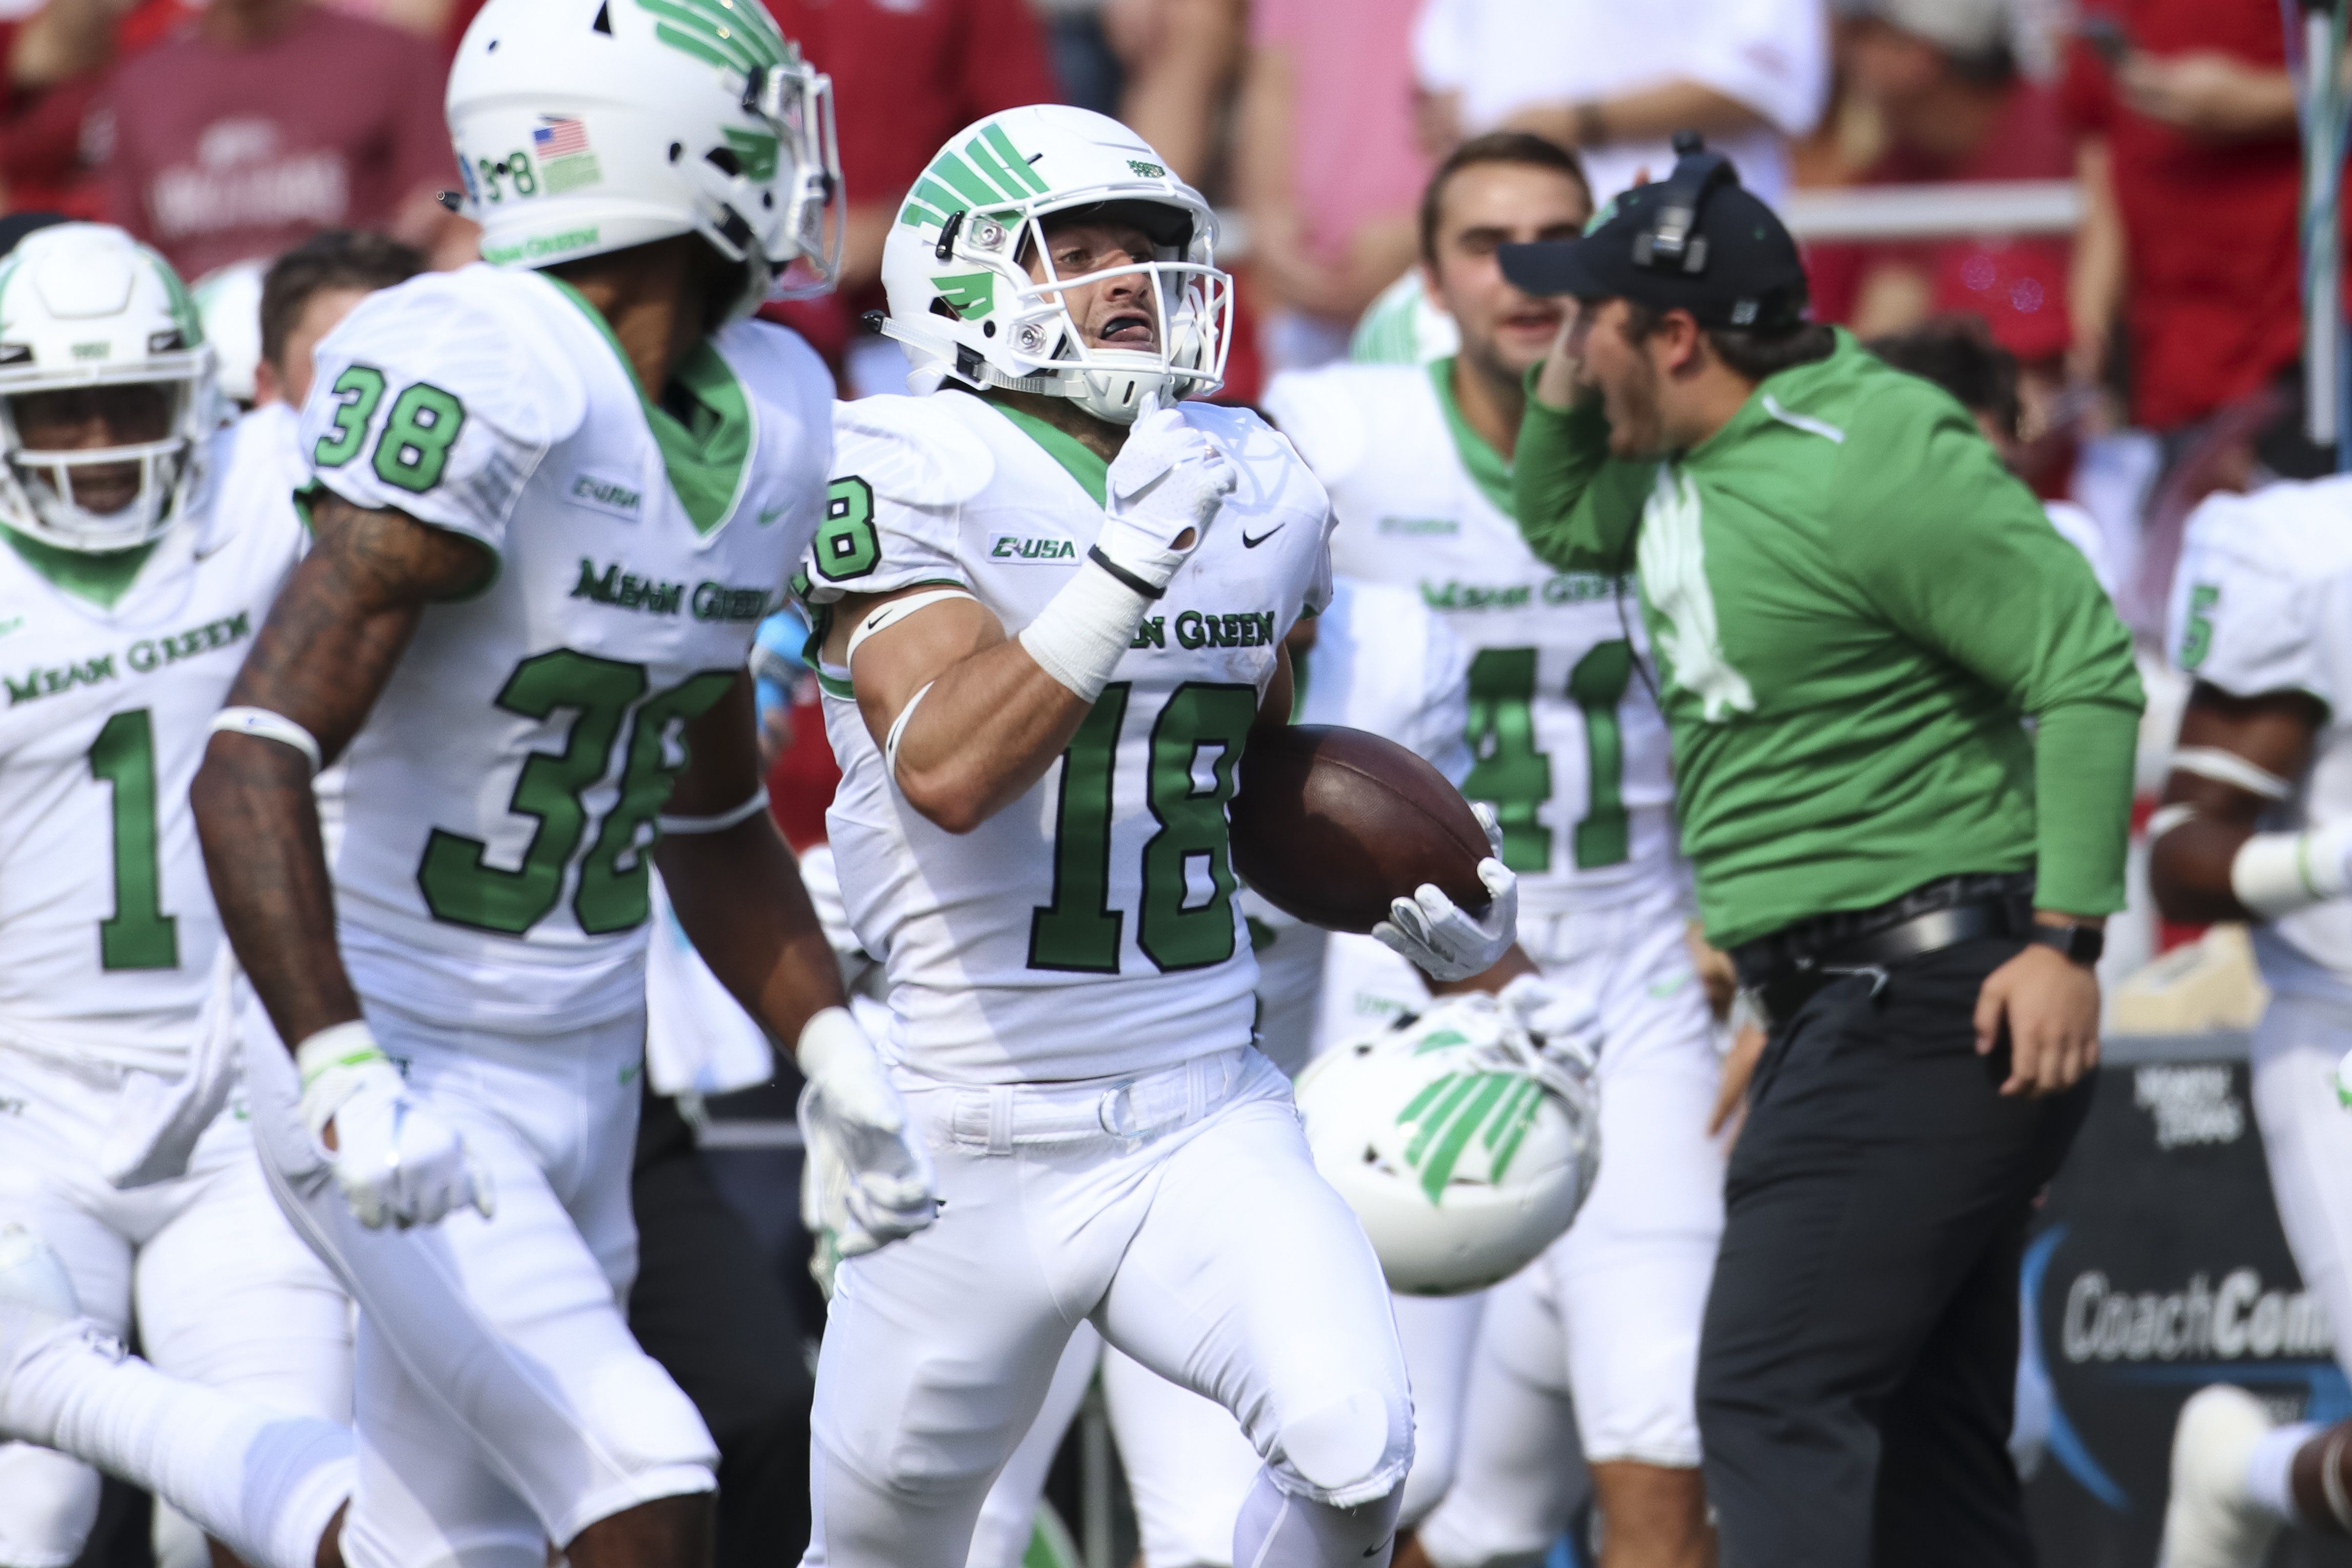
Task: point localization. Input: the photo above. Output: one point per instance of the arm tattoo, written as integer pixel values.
(330, 644)
(346, 613)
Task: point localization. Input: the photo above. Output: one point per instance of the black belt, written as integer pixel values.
(1782, 972)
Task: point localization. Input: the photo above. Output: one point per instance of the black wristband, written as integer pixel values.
(2083, 943)
(1095, 554)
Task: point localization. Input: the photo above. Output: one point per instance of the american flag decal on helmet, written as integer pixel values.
(559, 136)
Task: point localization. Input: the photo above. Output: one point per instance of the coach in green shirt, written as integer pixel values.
(1854, 610)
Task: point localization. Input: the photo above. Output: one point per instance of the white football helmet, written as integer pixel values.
(1464, 1148)
(228, 302)
(587, 125)
(956, 265)
(84, 306)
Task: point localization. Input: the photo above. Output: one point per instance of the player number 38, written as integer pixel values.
(413, 450)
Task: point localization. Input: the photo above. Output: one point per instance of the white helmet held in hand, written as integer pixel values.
(94, 327)
(588, 126)
(1464, 1148)
(956, 265)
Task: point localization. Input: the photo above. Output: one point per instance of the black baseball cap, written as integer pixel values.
(1695, 241)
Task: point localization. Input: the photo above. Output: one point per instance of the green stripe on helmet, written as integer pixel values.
(1015, 160)
(184, 314)
(1460, 1130)
(718, 32)
(955, 172)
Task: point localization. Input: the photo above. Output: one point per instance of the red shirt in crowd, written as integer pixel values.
(2016, 285)
(2213, 306)
(53, 141)
(224, 153)
(908, 74)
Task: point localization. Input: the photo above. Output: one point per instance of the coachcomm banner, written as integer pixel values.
(2156, 1267)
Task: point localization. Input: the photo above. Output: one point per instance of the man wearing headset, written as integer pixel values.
(1853, 606)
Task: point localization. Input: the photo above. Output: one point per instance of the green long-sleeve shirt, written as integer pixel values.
(1852, 605)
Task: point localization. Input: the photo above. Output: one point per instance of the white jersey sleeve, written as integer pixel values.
(2258, 597)
(894, 510)
(418, 407)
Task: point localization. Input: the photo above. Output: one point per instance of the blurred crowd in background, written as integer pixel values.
(2133, 366)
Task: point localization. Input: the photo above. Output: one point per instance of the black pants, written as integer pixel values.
(710, 1309)
(1857, 1367)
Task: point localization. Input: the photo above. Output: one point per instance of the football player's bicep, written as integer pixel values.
(339, 625)
(893, 662)
(2272, 733)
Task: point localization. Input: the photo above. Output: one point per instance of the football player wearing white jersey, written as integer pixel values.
(552, 495)
(2256, 825)
(1057, 601)
(1570, 748)
(143, 545)
(1376, 659)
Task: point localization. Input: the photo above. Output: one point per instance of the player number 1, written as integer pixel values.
(139, 935)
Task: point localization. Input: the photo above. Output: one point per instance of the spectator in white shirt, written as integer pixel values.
(1616, 78)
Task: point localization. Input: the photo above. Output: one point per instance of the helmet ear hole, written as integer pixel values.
(988, 329)
(677, 152)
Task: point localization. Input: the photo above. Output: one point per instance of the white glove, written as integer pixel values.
(1167, 479)
(1440, 936)
(866, 1181)
(394, 1157)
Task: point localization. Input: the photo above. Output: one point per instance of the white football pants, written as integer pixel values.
(2307, 1138)
(223, 1293)
(501, 1404)
(1178, 1211)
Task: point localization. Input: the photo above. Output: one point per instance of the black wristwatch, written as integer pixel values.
(2083, 943)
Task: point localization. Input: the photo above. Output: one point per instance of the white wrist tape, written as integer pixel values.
(2229, 767)
(829, 1035)
(891, 614)
(263, 725)
(720, 822)
(1084, 631)
(2275, 874)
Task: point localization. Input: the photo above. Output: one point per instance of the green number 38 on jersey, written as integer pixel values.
(414, 447)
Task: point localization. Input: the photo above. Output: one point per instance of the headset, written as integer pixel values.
(1666, 244)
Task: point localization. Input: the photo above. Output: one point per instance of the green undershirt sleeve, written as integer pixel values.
(1577, 507)
(1956, 552)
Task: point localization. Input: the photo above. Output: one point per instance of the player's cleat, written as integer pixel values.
(2212, 1520)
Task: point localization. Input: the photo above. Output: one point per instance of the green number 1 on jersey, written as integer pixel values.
(1509, 772)
(139, 935)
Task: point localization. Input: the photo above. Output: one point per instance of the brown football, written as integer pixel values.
(1330, 824)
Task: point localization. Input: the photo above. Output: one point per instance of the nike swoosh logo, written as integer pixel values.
(876, 618)
(1249, 543)
(770, 513)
